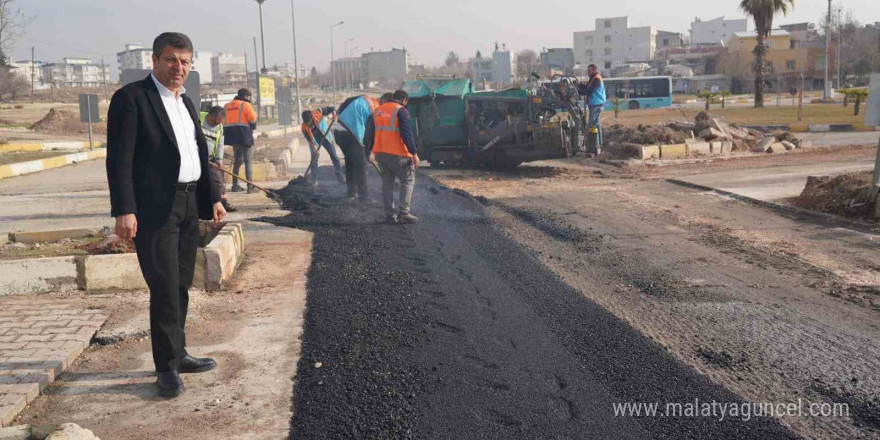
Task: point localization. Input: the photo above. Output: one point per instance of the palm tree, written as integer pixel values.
(762, 11)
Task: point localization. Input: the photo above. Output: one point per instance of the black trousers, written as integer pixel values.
(355, 164)
(167, 257)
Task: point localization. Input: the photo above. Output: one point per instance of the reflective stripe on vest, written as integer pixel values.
(388, 139)
(240, 110)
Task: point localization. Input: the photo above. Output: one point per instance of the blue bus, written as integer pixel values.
(639, 92)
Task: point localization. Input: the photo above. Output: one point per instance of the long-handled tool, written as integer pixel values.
(315, 151)
(376, 167)
(269, 193)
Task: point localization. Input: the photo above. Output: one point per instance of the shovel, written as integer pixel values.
(270, 194)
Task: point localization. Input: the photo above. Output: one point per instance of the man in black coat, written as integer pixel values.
(160, 186)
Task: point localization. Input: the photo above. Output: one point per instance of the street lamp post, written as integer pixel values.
(827, 91)
(295, 63)
(332, 67)
(262, 37)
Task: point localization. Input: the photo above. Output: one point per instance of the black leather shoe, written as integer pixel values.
(190, 364)
(169, 384)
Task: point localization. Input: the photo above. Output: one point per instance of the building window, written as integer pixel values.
(820, 62)
(665, 42)
(607, 24)
(790, 65)
(768, 67)
(588, 52)
(607, 64)
(608, 38)
(607, 51)
(769, 43)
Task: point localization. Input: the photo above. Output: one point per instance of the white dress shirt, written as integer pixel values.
(184, 133)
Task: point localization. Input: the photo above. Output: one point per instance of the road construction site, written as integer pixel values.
(526, 304)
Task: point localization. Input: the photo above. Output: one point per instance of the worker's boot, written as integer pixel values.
(252, 190)
(391, 219)
(228, 207)
(406, 218)
(236, 188)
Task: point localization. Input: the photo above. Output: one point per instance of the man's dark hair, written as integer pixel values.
(593, 66)
(217, 111)
(308, 116)
(244, 93)
(173, 39)
(400, 95)
(387, 97)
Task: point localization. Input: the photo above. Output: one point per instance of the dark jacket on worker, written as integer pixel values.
(143, 161)
(406, 132)
(240, 123)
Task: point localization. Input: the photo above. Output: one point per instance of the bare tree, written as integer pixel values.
(12, 25)
(12, 84)
(527, 61)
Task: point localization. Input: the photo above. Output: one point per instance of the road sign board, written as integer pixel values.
(872, 113)
(88, 108)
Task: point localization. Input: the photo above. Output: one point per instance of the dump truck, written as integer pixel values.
(457, 126)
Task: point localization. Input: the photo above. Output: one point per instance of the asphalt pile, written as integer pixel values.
(846, 195)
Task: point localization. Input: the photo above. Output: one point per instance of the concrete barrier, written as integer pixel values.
(216, 262)
(262, 172)
(678, 151)
(699, 149)
(114, 271)
(21, 168)
(50, 236)
(649, 151)
(43, 146)
(38, 275)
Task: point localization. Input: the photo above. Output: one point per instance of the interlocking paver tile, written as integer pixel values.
(38, 341)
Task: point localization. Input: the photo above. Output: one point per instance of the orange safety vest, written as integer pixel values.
(388, 139)
(239, 114)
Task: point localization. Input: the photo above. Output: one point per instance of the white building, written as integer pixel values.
(387, 68)
(717, 31)
(135, 57)
(76, 72)
(29, 71)
(500, 69)
(559, 60)
(228, 68)
(614, 43)
(202, 63)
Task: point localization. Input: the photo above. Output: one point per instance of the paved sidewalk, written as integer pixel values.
(38, 340)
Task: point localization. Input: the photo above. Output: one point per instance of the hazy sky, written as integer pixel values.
(429, 30)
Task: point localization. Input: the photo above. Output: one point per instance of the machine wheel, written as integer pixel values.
(633, 105)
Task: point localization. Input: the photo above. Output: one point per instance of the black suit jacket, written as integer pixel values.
(143, 161)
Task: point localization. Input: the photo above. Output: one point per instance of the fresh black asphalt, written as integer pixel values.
(447, 329)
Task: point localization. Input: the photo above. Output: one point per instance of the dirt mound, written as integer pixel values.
(845, 195)
(644, 135)
(65, 122)
(298, 195)
(111, 244)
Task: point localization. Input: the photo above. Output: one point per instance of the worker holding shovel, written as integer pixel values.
(316, 132)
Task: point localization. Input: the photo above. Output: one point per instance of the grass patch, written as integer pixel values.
(24, 156)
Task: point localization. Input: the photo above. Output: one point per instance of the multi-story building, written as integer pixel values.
(75, 72)
(135, 57)
(228, 68)
(717, 31)
(201, 63)
(498, 70)
(558, 60)
(785, 62)
(30, 71)
(387, 68)
(614, 43)
(350, 72)
(666, 41)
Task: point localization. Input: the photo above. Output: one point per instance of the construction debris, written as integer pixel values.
(847, 195)
(66, 122)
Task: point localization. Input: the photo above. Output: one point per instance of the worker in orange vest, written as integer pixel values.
(391, 143)
(239, 126)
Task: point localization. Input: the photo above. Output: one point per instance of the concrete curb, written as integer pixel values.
(783, 209)
(216, 262)
(21, 168)
(49, 236)
(287, 156)
(272, 133)
(215, 265)
(44, 146)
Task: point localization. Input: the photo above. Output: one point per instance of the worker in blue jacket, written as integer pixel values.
(595, 96)
(353, 116)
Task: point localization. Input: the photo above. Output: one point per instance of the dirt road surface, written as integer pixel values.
(775, 309)
(448, 329)
(252, 329)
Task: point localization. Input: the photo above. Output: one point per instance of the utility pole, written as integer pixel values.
(827, 92)
(104, 70)
(332, 66)
(33, 72)
(295, 63)
(257, 76)
(839, 43)
(262, 37)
